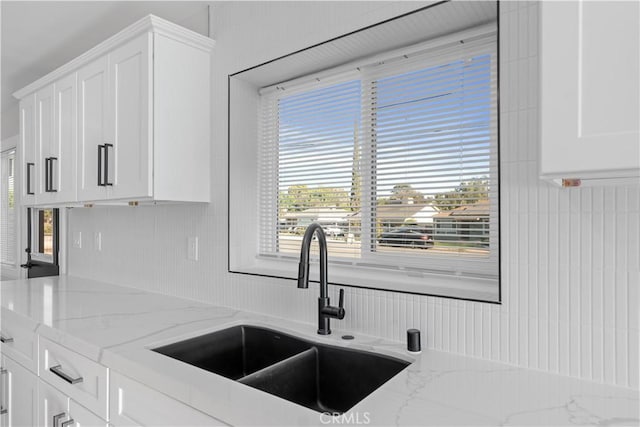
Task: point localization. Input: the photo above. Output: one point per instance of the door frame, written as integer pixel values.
(61, 243)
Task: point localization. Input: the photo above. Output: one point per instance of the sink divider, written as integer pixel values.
(292, 363)
(294, 379)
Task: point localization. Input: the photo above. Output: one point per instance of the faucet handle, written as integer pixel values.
(341, 311)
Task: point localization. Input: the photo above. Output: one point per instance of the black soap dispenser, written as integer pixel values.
(413, 341)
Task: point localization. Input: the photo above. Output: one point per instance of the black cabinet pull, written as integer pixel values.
(29, 167)
(51, 174)
(46, 174)
(100, 148)
(57, 370)
(106, 164)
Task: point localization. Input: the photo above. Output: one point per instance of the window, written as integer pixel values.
(395, 155)
(8, 209)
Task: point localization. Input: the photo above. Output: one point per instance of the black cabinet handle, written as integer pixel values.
(51, 174)
(57, 370)
(100, 148)
(106, 164)
(29, 167)
(46, 174)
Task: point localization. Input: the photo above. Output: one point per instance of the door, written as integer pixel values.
(92, 129)
(18, 401)
(53, 406)
(590, 80)
(45, 145)
(58, 141)
(42, 242)
(129, 173)
(134, 404)
(81, 416)
(28, 162)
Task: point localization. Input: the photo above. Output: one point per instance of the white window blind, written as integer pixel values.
(8, 209)
(397, 159)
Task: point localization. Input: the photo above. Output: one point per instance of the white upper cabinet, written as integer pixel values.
(92, 128)
(56, 141)
(27, 149)
(130, 152)
(142, 120)
(62, 165)
(45, 144)
(590, 81)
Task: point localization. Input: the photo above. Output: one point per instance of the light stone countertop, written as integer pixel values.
(116, 326)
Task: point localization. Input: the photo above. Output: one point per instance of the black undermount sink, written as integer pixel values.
(321, 377)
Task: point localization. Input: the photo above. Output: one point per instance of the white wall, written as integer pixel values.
(570, 257)
(10, 122)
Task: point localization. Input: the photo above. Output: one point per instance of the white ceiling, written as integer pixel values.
(38, 37)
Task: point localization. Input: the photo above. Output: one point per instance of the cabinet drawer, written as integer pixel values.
(134, 404)
(80, 378)
(19, 339)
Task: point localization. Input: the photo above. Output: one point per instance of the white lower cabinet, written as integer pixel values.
(53, 406)
(79, 377)
(17, 339)
(134, 404)
(18, 394)
(45, 384)
(55, 409)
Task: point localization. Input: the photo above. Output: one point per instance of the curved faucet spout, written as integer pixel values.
(303, 268)
(325, 310)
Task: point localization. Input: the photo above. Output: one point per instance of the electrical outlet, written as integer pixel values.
(77, 239)
(192, 248)
(97, 241)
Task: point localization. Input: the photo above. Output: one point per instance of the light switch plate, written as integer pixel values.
(192, 248)
(77, 239)
(97, 241)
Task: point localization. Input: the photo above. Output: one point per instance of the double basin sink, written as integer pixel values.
(321, 377)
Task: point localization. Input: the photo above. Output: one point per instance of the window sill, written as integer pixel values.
(441, 285)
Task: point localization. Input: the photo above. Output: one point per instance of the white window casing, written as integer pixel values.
(387, 143)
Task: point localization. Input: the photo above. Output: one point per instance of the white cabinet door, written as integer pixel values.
(18, 401)
(130, 159)
(63, 162)
(55, 409)
(44, 138)
(56, 130)
(65, 127)
(92, 129)
(28, 161)
(134, 404)
(53, 406)
(590, 89)
(81, 416)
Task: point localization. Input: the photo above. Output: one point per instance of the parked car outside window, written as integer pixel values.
(407, 237)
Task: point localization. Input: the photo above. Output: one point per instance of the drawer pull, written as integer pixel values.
(3, 410)
(68, 423)
(57, 418)
(58, 371)
(4, 339)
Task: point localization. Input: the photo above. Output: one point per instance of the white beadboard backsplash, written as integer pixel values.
(570, 260)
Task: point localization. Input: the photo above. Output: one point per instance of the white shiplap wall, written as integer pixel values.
(571, 258)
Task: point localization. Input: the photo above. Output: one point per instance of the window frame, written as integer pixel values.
(10, 155)
(407, 280)
(38, 235)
